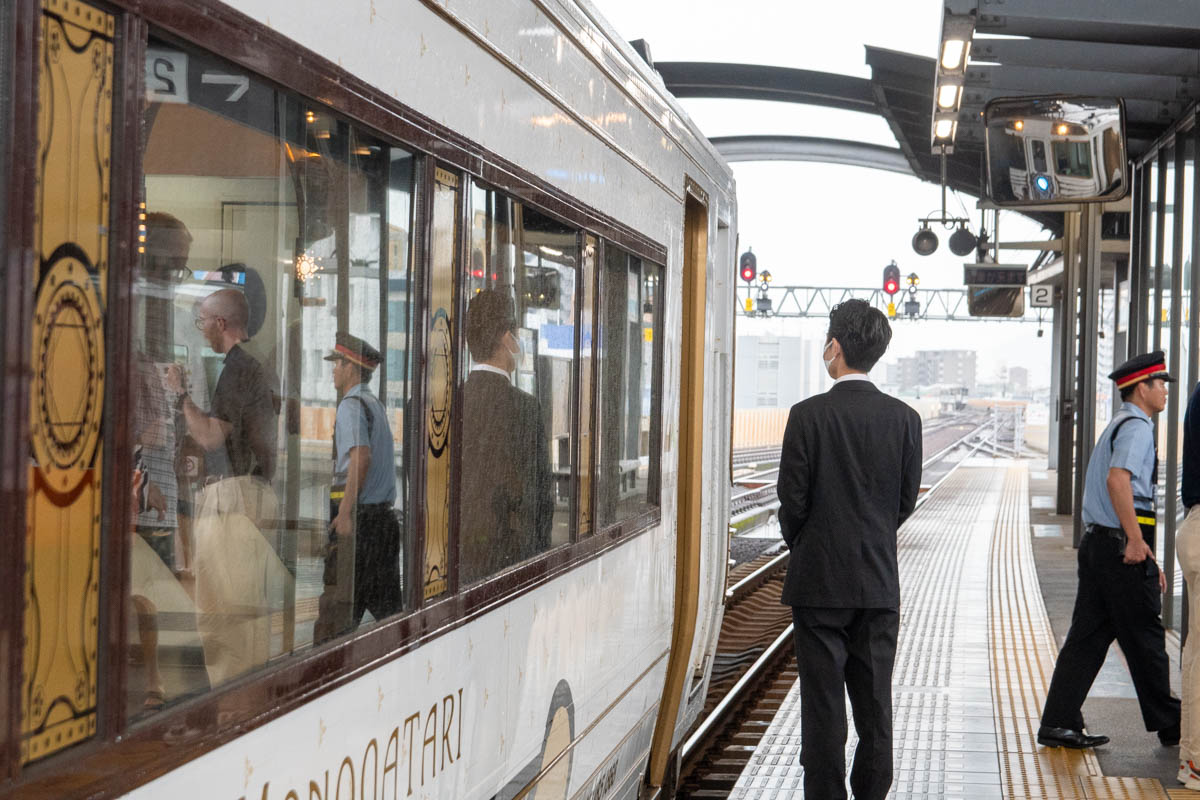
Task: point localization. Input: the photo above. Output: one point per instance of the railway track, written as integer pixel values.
(752, 672)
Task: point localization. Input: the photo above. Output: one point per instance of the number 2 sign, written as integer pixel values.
(166, 76)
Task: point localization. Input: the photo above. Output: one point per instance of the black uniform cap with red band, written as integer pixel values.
(1141, 368)
(356, 351)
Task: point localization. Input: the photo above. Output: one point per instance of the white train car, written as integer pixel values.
(368, 169)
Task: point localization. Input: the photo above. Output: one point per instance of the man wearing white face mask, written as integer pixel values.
(507, 493)
(848, 477)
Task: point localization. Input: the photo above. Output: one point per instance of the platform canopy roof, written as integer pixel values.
(1146, 53)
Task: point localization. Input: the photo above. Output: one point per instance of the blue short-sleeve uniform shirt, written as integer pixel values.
(352, 431)
(1133, 450)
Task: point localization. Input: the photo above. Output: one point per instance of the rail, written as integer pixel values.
(755, 579)
(730, 701)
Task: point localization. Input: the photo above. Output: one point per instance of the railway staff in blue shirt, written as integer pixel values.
(1120, 584)
(360, 501)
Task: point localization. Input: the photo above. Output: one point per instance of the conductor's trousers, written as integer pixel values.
(1118, 601)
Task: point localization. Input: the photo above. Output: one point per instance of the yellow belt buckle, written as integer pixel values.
(336, 495)
(1147, 520)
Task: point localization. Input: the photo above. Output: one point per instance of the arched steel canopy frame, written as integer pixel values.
(900, 90)
(811, 148)
(760, 82)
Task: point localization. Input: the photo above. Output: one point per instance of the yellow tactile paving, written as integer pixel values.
(1023, 650)
(975, 657)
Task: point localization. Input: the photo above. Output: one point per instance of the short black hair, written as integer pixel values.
(862, 331)
(490, 315)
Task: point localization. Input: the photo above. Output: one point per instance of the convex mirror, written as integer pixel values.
(1060, 149)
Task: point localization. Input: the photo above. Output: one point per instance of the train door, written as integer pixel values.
(690, 487)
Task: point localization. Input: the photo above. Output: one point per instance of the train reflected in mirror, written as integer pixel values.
(1049, 150)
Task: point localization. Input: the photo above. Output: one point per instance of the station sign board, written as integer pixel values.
(994, 274)
(995, 290)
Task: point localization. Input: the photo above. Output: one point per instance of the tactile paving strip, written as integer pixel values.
(1023, 650)
(974, 658)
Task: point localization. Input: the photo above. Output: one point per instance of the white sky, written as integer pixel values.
(823, 224)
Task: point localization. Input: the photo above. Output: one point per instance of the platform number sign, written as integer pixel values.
(1041, 295)
(166, 76)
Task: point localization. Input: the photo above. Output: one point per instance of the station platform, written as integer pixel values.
(976, 651)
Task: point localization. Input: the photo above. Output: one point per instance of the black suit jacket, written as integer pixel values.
(506, 505)
(848, 477)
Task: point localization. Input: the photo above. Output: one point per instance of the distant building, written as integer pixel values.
(930, 367)
(1018, 380)
(777, 371)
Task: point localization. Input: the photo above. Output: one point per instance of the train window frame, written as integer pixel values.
(21, 30)
(229, 35)
(653, 499)
(482, 273)
(410, 260)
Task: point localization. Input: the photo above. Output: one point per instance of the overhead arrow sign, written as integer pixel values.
(240, 84)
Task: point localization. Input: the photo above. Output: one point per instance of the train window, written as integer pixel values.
(628, 393)
(519, 390)
(273, 282)
(1016, 150)
(1039, 154)
(1073, 159)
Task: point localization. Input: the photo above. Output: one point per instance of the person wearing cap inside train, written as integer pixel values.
(1120, 584)
(362, 560)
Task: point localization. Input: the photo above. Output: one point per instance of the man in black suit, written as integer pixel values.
(848, 477)
(507, 500)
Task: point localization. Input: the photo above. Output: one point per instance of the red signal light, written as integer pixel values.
(748, 266)
(891, 279)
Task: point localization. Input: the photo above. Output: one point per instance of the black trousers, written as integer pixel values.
(376, 572)
(1118, 601)
(843, 651)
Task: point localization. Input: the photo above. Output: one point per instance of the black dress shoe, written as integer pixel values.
(1169, 736)
(1065, 737)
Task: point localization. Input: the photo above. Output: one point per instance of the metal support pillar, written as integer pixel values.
(1121, 338)
(1174, 366)
(1089, 326)
(1056, 356)
(1065, 326)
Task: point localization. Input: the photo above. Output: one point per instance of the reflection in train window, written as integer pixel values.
(1072, 159)
(517, 460)
(273, 280)
(628, 425)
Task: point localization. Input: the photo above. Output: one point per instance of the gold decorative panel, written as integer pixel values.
(62, 538)
(439, 381)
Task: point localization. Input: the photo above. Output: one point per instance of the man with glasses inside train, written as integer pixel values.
(1120, 584)
(237, 571)
(849, 473)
